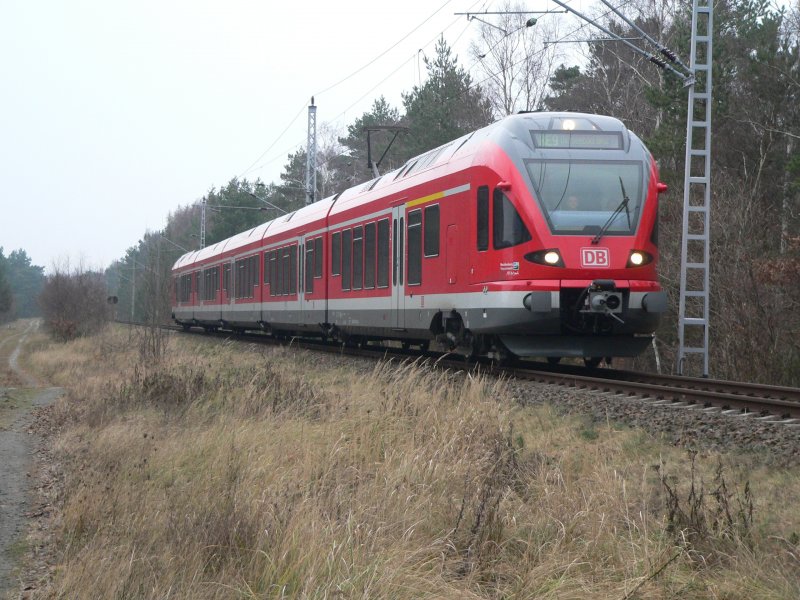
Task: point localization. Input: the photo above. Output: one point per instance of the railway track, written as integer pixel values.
(776, 404)
(767, 403)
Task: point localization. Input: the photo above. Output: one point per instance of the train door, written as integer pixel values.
(398, 262)
(479, 239)
(305, 284)
(227, 294)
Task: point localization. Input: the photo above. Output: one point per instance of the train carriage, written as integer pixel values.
(534, 236)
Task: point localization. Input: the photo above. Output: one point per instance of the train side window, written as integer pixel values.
(292, 258)
(226, 278)
(247, 263)
(248, 283)
(266, 268)
(508, 230)
(253, 276)
(249, 272)
(309, 268)
(414, 268)
(318, 257)
(483, 218)
(401, 248)
(347, 263)
(273, 273)
(208, 284)
(431, 238)
(336, 253)
(394, 252)
(369, 256)
(278, 272)
(383, 253)
(358, 258)
(245, 278)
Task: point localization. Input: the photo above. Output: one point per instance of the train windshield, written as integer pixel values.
(588, 196)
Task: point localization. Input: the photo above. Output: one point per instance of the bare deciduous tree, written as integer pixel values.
(514, 62)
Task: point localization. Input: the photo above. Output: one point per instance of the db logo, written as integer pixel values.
(596, 258)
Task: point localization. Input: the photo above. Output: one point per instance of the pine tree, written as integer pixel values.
(447, 106)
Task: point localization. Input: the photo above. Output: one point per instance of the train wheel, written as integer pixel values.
(553, 360)
(503, 356)
(185, 326)
(424, 346)
(405, 345)
(592, 361)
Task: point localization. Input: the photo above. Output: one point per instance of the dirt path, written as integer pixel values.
(17, 443)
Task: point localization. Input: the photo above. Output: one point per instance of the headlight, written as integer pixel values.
(639, 258)
(550, 257)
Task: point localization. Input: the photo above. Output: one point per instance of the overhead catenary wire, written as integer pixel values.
(660, 47)
(493, 75)
(687, 78)
(277, 139)
(345, 111)
(466, 90)
(381, 55)
(472, 86)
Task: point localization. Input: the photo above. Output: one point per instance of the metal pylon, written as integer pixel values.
(693, 312)
(311, 155)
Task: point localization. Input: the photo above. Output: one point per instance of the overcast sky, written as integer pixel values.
(114, 113)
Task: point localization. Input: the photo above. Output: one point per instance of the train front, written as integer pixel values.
(592, 200)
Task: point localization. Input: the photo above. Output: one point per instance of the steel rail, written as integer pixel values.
(725, 397)
(751, 399)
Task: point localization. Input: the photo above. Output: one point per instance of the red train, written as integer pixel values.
(534, 236)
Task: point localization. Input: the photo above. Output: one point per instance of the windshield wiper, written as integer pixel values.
(624, 204)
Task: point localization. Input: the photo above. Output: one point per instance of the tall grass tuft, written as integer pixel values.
(225, 471)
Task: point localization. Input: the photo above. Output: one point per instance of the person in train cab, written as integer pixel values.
(573, 203)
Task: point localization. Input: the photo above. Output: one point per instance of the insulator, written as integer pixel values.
(669, 54)
(657, 61)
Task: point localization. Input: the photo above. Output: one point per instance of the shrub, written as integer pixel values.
(74, 302)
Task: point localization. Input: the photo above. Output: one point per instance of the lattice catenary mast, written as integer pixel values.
(311, 154)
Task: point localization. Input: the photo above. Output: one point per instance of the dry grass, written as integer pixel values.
(223, 473)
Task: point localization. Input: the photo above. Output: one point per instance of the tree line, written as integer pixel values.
(755, 251)
(20, 285)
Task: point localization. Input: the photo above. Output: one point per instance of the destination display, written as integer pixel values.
(584, 140)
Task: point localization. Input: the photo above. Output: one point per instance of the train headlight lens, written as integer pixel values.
(549, 257)
(552, 257)
(639, 258)
(568, 125)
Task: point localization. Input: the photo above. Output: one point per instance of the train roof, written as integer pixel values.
(513, 133)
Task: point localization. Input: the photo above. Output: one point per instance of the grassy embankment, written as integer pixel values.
(232, 472)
